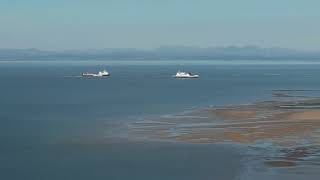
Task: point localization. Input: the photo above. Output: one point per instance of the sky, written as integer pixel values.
(147, 24)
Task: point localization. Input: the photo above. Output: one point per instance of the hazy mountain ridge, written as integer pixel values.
(162, 53)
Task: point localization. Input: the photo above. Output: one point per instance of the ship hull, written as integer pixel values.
(185, 77)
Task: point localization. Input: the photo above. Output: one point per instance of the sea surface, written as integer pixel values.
(55, 124)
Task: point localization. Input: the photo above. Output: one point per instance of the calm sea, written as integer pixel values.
(56, 125)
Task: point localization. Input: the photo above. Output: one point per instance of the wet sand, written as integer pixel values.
(272, 120)
(292, 127)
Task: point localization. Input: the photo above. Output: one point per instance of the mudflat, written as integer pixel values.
(272, 120)
(292, 126)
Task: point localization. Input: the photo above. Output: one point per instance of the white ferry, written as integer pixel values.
(99, 74)
(181, 74)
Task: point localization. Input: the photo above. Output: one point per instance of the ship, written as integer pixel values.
(99, 74)
(181, 74)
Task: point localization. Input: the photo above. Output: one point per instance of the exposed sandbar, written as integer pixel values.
(273, 120)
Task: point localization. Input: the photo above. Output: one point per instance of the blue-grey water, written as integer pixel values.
(56, 125)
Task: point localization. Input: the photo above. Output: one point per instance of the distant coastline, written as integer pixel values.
(163, 53)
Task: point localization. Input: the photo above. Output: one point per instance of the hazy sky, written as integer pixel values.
(86, 24)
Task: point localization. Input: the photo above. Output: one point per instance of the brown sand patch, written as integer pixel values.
(305, 115)
(280, 163)
(235, 114)
(282, 123)
(270, 120)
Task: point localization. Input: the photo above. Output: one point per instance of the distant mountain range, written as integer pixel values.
(163, 53)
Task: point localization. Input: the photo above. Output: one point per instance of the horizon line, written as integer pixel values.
(163, 47)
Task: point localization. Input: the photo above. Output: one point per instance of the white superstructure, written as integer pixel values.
(99, 74)
(181, 74)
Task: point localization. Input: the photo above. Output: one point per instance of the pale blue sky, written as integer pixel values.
(95, 24)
